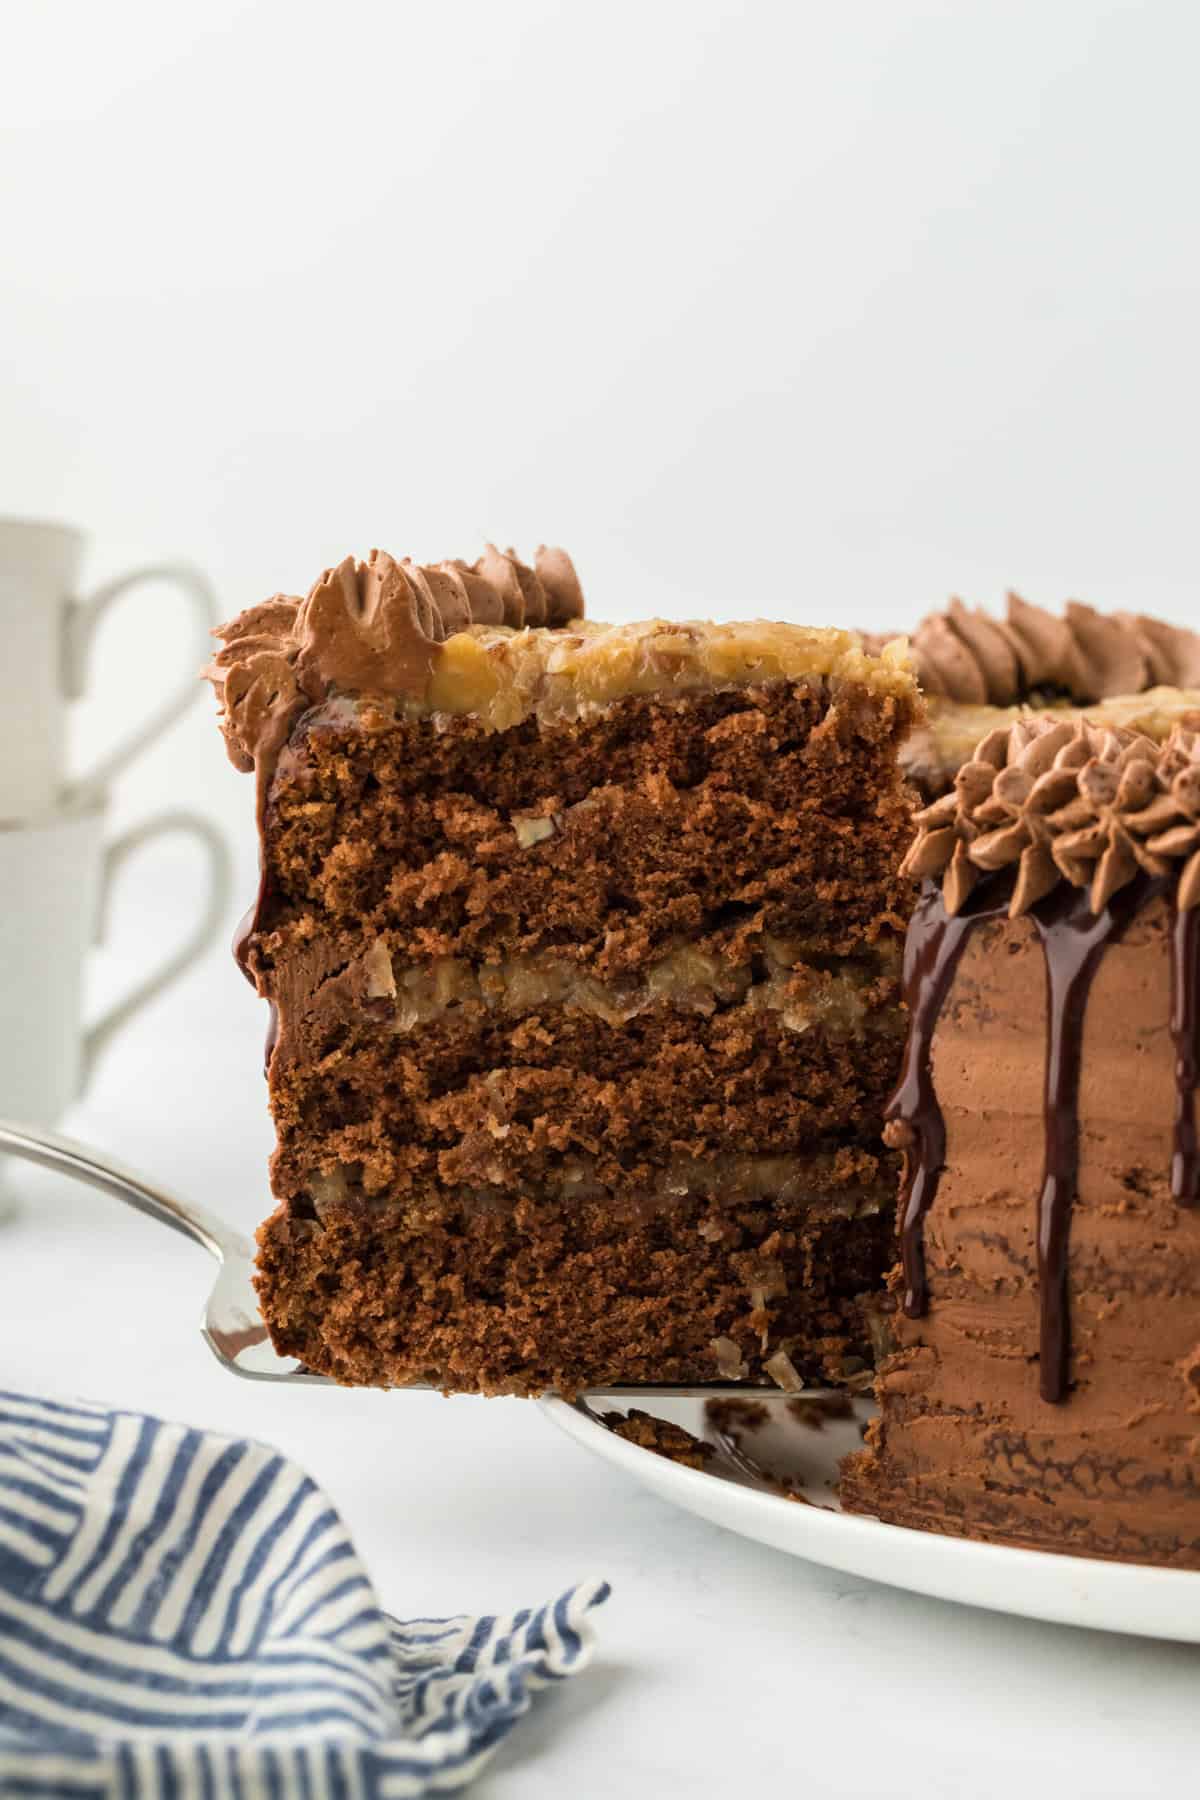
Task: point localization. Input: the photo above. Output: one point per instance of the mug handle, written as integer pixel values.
(97, 1037)
(82, 619)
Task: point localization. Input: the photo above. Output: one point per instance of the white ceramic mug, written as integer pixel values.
(55, 879)
(47, 633)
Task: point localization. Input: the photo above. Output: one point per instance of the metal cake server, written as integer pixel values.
(232, 1326)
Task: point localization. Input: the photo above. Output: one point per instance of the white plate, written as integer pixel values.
(1069, 1590)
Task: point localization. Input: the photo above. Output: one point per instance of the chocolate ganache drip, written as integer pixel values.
(1074, 939)
(914, 1123)
(1078, 828)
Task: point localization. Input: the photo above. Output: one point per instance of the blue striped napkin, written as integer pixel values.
(183, 1614)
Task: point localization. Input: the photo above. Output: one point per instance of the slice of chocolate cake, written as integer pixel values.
(583, 948)
(1043, 1387)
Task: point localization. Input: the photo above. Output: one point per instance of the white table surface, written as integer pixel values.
(722, 1666)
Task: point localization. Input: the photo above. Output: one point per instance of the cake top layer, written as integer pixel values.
(371, 627)
(964, 655)
(497, 640)
(503, 676)
(1066, 801)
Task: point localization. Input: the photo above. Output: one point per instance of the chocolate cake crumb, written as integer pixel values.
(730, 1413)
(816, 1410)
(659, 1435)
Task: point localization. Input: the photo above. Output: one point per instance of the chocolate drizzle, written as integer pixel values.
(936, 940)
(1073, 940)
(247, 925)
(243, 938)
(1089, 823)
(1185, 1027)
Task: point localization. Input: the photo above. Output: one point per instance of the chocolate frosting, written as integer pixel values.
(966, 1443)
(1074, 940)
(1061, 801)
(964, 655)
(369, 628)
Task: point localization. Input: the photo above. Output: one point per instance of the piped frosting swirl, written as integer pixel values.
(1066, 801)
(964, 655)
(370, 628)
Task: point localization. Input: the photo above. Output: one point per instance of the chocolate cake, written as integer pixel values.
(582, 945)
(1043, 1385)
(583, 950)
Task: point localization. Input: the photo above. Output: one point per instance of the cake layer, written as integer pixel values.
(828, 1181)
(838, 999)
(504, 677)
(746, 813)
(518, 1297)
(355, 975)
(484, 1100)
(501, 641)
(966, 1442)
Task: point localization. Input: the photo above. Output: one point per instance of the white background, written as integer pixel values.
(826, 311)
(819, 311)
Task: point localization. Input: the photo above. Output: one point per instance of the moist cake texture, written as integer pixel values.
(1043, 1382)
(583, 950)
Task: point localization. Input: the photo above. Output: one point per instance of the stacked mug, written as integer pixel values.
(57, 861)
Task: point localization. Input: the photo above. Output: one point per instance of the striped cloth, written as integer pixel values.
(183, 1614)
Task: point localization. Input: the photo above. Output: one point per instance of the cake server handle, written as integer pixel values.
(232, 1327)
